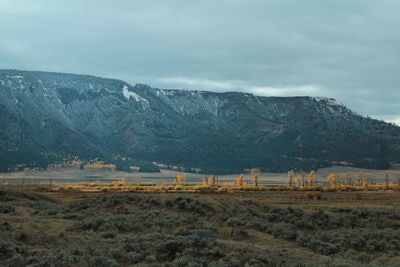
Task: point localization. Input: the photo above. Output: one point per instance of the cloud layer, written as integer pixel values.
(346, 49)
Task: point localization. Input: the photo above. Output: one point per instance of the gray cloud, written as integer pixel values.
(346, 49)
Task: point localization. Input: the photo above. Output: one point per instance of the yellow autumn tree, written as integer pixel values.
(212, 180)
(349, 180)
(137, 180)
(240, 181)
(180, 179)
(298, 179)
(331, 179)
(365, 179)
(255, 174)
(311, 178)
(289, 179)
(134, 168)
(341, 177)
(120, 182)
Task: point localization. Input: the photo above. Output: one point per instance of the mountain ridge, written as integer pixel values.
(90, 116)
(143, 85)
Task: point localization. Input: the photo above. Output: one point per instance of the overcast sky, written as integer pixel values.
(345, 49)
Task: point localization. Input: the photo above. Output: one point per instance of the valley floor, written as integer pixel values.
(75, 176)
(192, 229)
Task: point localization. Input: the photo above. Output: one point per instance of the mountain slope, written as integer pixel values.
(88, 116)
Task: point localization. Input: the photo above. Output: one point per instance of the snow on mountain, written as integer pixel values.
(128, 95)
(87, 115)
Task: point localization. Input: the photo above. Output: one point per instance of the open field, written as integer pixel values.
(199, 229)
(74, 176)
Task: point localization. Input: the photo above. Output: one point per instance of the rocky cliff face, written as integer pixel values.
(64, 114)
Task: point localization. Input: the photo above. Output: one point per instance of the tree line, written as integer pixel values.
(302, 179)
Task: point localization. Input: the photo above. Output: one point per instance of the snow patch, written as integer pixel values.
(330, 101)
(15, 76)
(195, 93)
(128, 94)
(168, 92)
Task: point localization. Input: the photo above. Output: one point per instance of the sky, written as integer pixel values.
(345, 49)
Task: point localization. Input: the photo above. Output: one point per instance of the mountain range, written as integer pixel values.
(46, 117)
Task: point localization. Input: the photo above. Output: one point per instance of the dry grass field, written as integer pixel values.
(264, 228)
